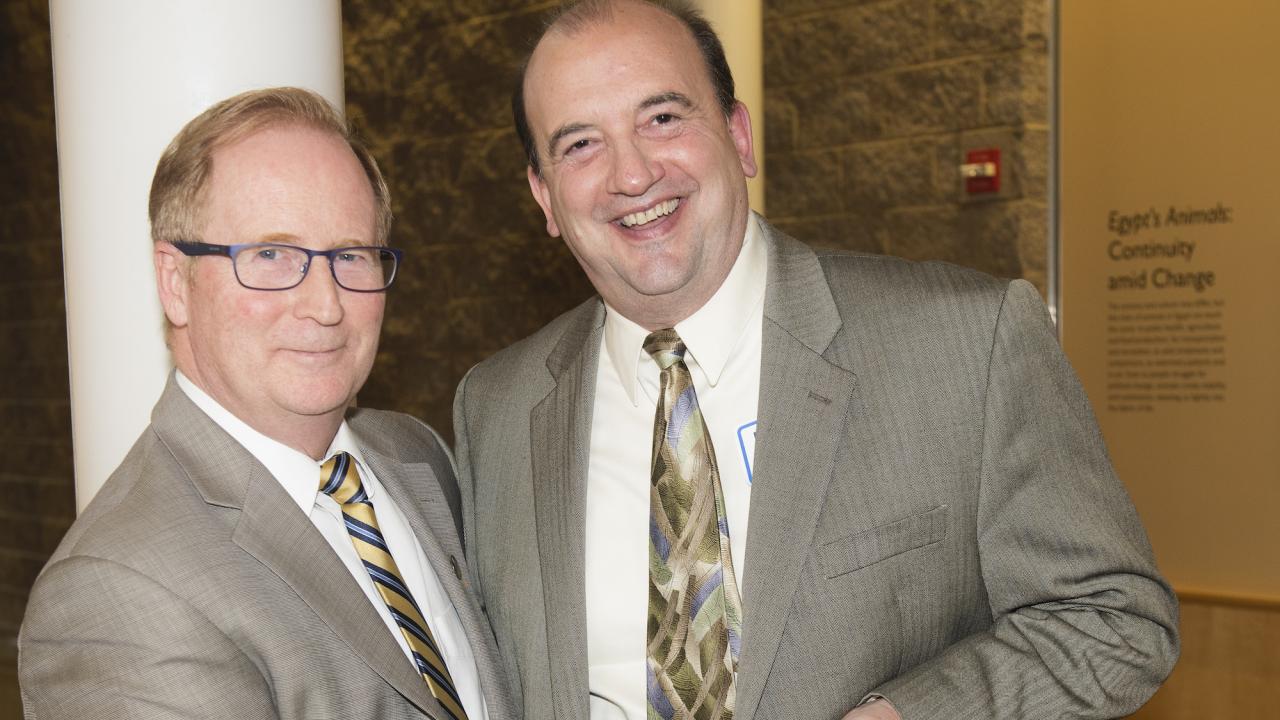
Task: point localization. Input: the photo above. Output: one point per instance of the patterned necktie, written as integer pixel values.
(340, 480)
(695, 613)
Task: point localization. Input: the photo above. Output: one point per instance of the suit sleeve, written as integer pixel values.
(101, 640)
(1083, 625)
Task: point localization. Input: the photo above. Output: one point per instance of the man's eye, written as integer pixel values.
(353, 258)
(268, 253)
(577, 145)
(664, 118)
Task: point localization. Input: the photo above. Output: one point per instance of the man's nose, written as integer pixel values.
(318, 295)
(634, 169)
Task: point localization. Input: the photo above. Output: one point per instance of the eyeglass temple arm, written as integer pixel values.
(192, 248)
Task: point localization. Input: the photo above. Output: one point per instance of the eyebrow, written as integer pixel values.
(277, 238)
(561, 133)
(652, 101)
(670, 96)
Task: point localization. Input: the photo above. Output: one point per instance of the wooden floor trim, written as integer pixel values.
(1217, 597)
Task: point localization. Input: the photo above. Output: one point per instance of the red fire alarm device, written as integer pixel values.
(981, 171)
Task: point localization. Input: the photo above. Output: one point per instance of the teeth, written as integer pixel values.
(662, 209)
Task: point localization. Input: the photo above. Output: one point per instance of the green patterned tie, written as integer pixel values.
(695, 613)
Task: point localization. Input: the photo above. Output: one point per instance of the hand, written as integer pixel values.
(879, 709)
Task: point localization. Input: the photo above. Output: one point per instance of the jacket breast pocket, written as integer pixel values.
(862, 549)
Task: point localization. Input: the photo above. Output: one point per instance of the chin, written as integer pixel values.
(315, 401)
(662, 280)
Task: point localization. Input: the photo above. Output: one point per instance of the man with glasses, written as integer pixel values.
(265, 551)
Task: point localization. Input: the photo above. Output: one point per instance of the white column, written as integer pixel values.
(128, 74)
(739, 25)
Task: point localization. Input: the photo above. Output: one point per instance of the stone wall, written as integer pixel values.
(430, 84)
(869, 105)
(35, 415)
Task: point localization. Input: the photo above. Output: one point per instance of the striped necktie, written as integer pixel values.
(695, 612)
(340, 480)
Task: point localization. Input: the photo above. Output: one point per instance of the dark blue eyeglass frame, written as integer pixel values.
(192, 248)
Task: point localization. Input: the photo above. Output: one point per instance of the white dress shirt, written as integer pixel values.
(299, 475)
(723, 355)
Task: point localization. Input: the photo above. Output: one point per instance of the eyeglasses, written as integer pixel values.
(273, 266)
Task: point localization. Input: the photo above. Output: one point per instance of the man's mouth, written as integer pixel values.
(662, 209)
(314, 352)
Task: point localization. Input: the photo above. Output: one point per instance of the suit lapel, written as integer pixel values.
(272, 530)
(416, 490)
(804, 400)
(285, 541)
(560, 435)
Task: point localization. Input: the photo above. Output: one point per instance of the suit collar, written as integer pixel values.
(797, 297)
(203, 449)
(270, 528)
(583, 323)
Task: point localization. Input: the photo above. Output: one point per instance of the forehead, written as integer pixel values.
(283, 151)
(636, 52)
(287, 174)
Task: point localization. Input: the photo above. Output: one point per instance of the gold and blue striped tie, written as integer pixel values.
(340, 480)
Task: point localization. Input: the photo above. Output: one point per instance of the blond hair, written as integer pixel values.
(177, 190)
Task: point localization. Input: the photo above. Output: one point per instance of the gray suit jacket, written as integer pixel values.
(192, 587)
(933, 513)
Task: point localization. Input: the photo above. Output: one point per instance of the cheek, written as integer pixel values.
(365, 316)
(575, 193)
(372, 305)
(257, 316)
(248, 324)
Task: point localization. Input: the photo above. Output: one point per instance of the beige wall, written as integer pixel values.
(1168, 143)
(1167, 107)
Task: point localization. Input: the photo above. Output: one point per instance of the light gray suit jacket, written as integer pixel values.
(192, 587)
(933, 513)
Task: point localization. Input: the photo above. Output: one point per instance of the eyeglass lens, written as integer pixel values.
(277, 267)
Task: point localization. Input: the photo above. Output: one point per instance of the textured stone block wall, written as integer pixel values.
(868, 107)
(430, 83)
(35, 416)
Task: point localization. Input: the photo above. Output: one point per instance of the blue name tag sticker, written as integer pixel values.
(747, 444)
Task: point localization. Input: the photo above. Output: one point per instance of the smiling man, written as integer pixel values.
(751, 480)
(266, 551)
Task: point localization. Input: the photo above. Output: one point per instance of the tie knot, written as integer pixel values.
(665, 346)
(340, 480)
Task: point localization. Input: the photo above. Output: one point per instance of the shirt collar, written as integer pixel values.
(712, 333)
(297, 473)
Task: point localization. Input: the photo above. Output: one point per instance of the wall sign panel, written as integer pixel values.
(1169, 134)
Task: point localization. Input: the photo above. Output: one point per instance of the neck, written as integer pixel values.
(657, 313)
(309, 436)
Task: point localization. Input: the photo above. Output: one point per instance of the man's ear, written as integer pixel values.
(740, 131)
(173, 281)
(542, 194)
